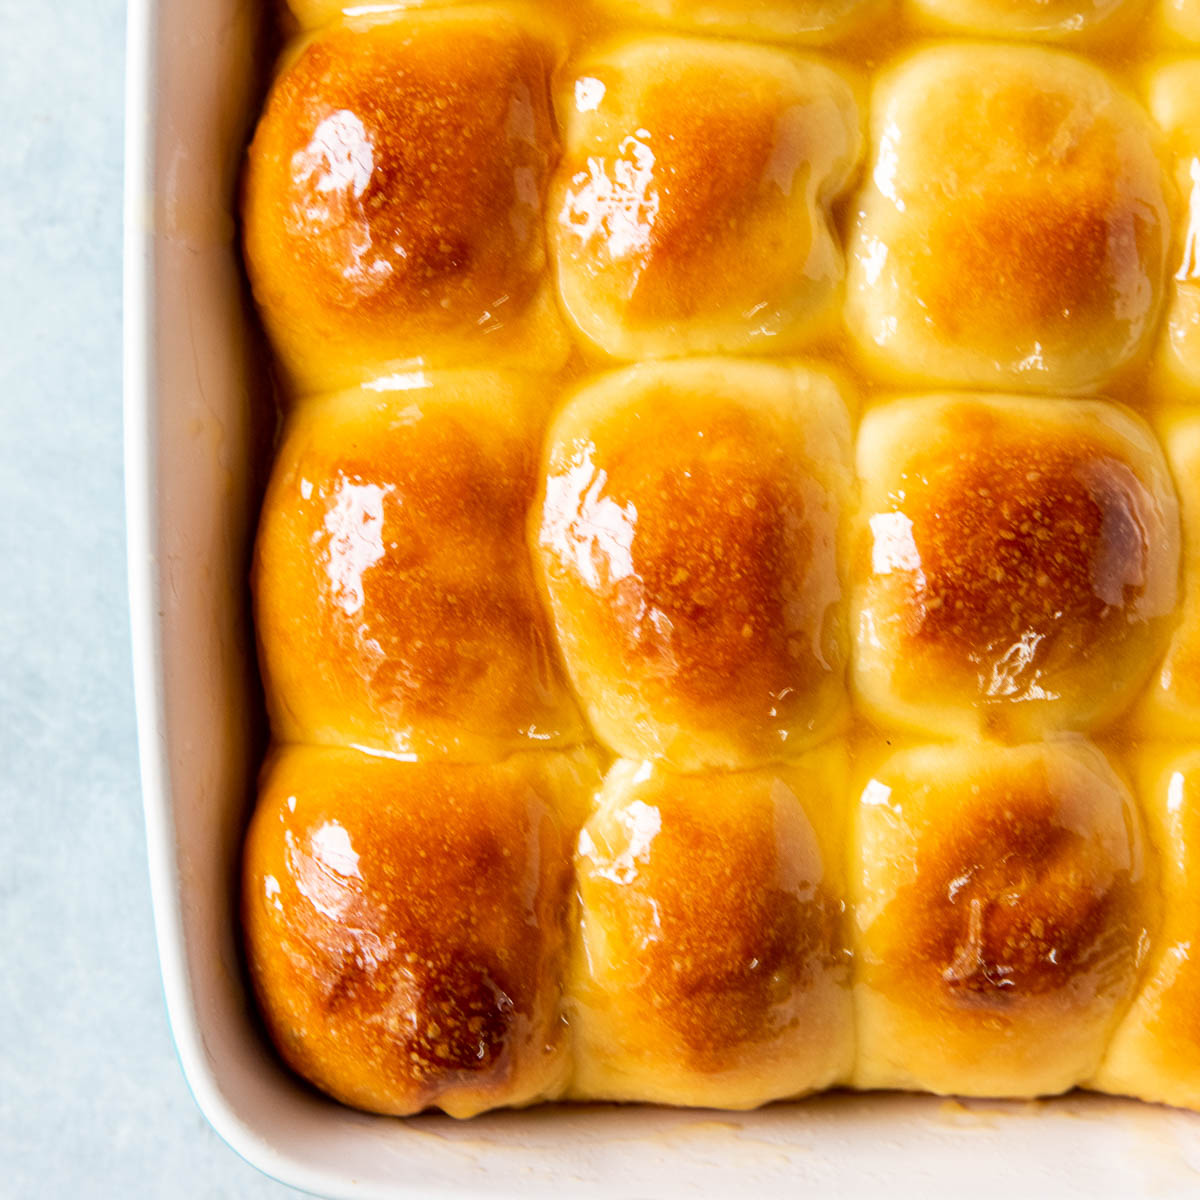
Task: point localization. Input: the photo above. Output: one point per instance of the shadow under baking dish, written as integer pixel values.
(194, 471)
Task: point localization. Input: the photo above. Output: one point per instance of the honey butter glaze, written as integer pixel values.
(689, 541)
(1002, 915)
(1013, 234)
(713, 966)
(407, 924)
(395, 600)
(691, 208)
(1018, 565)
(726, 591)
(394, 194)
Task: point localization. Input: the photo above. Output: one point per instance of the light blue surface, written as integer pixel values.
(92, 1101)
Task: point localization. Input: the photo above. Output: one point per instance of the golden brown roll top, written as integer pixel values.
(1002, 910)
(689, 542)
(394, 593)
(1016, 568)
(713, 968)
(406, 925)
(394, 196)
(814, 21)
(691, 210)
(1175, 103)
(1014, 229)
(1155, 1053)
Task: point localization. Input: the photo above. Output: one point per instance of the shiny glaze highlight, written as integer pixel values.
(714, 968)
(691, 209)
(395, 601)
(1018, 563)
(689, 537)
(407, 924)
(1003, 910)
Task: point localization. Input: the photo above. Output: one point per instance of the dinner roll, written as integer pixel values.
(689, 541)
(1175, 103)
(1016, 564)
(1171, 707)
(394, 593)
(1046, 20)
(813, 21)
(691, 210)
(406, 925)
(1014, 230)
(1155, 1053)
(713, 968)
(1001, 915)
(393, 197)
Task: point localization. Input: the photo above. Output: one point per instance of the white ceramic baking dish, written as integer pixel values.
(190, 386)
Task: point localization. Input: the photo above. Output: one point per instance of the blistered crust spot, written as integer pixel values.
(1024, 538)
(1016, 558)
(398, 174)
(1017, 893)
(722, 921)
(703, 550)
(1008, 906)
(405, 923)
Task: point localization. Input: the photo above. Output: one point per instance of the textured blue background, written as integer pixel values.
(92, 1101)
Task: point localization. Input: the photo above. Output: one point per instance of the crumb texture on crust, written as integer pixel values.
(395, 600)
(406, 924)
(691, 209)
(713, 968)
(1002, 912)
(689, 539)
(1017, 564)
